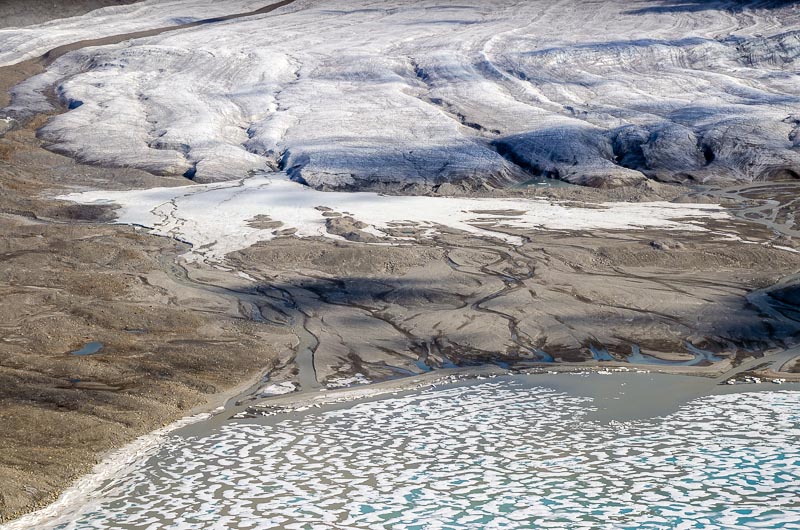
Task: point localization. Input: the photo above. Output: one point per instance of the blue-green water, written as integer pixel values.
(89, 349)
(487, 455)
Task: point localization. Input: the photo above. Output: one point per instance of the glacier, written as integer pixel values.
(360, 94)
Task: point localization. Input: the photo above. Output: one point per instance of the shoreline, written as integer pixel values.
(202, 421)
(115, 460)
(712, 375)
(112, 461)
(216, 409)
(715, 374)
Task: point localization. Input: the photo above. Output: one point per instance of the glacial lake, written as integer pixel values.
(489, 454)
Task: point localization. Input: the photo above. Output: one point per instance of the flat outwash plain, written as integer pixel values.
(259, 208)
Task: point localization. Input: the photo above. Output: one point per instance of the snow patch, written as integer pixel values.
(276, 389)
(215, 218)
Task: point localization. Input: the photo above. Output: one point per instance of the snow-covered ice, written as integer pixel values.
(220, 218)
(20, 44)
(354, 92)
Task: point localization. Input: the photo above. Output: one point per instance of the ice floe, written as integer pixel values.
(489, 455)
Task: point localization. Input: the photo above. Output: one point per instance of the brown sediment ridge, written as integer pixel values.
(177, 336)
